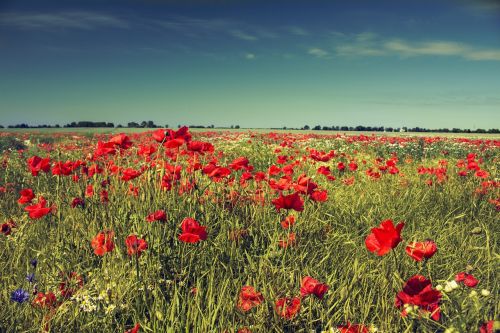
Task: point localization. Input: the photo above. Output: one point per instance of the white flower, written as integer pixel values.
(485, 292)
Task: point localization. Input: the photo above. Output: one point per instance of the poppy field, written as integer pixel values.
(173, 231)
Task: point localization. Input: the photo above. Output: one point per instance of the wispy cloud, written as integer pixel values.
(63, 20)
(296, 30)
(318, 53)
(370, 44)
(242, 35)
(249, 56)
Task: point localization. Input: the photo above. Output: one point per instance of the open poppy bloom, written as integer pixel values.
(192, 232)
(45, 300)
(121, 140)
(159, 215)
(39, 210)
(467, 279)
(134, 329)
(418, 291)
(292, 201)
(6, 228)
(37, 164)
(26, 196)
(353, 328)
(312, 286)
(129, 174)
(249, 298)
(103, 242)
(420, 250)
(135, 245)
(288, 307)
(383, 239)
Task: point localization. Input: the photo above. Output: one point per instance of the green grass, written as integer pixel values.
(330, 243)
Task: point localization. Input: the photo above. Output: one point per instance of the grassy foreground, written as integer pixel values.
(443, 189)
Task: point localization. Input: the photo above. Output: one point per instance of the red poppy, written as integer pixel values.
(490, 326)
(129, 174)
(291, 201)
(192, 232)
(122, 141)
(467, 279)
(39, 210)
(288, 307)
(312, 286)
(319, 195)
(418, 291)
(249, 298)
(291, 240)
(353, 328)
(62, 168)
(239, 163)
(384, 238)
(6, 228)
(135, 245)
(420, 250)
(78, 202)
(288, 221)
(37, 164)
(45, 300)
(135, 329)
(70, 284)
(103, 242)
(104, 148)
(159, 215)
(26, 196)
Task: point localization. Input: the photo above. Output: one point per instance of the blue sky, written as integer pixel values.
(253, 63)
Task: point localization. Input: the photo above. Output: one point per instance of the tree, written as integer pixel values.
(306, 128)
(237, 126)
(316, 128)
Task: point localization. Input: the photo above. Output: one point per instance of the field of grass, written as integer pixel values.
(289, 214)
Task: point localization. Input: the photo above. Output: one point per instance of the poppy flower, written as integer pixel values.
(249, 298)
(39, 210)
(288, 222)
(122, 141)
(353, 328)
(70, 283)
(192, 232)
(103, 242)
(135, 329)
(135, 245)
(37, 164)
(312, 286)
(467, 279)
(78, 202)
(26, 196)
(104, 148)
(490, 326)
(159, 215)
(383, 239)
(418, 291)
(6, 228)
(288, 307)
(45, 300)
(291, 240)
(129, 174)
(319, 196)
(239, 163)
(420, 250)
(291, 201)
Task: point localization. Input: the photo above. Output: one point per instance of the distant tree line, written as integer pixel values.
(397, 129)
(359, 128)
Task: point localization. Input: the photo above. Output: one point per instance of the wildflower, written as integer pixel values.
(103, 242)
(30, 277)
(418, 291)
(249, 298)
(159, 215)
(292, 201)
(353, 328)
(288, 307)
(45, 300)
(420, 250)
(192, 232)
(467, 279)
(135, 329)
(383, 239)
(26, 196)
(485, 292)
(19, 296)
(135, 245)
(312, 286)
(39, 210)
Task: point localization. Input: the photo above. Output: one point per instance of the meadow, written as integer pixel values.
(248, 231)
